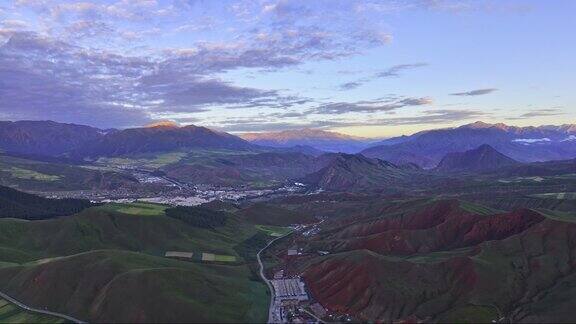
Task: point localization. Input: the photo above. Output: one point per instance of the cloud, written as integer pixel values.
(450, 6)
(48, 79)
(478, 92)
(102, 55)
(391, 72)
(386, 105)
(395, 70)
(429, 117)
(351, 85)
(539, 113)
(13, 24)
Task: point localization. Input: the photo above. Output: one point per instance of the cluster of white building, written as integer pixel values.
(290, 288)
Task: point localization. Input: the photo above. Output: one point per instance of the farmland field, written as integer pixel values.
(218, 258)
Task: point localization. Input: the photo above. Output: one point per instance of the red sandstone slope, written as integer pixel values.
(444, 225)
(372, 287)
(526, 276)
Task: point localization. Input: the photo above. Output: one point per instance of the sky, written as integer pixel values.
(366, 68)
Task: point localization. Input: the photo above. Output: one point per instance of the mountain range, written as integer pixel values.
(319, 139)
(524, 144)
(425, 149)
(45, 137)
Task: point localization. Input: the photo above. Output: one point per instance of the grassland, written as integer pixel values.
(10, 313)
(122, 286)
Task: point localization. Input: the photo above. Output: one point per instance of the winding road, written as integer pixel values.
(39, 311)
(271, 314)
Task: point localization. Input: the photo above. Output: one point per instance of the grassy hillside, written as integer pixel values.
(121, 286)
(106, 264)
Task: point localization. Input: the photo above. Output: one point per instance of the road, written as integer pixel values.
(39, 311)
(271, 314)
(314, 316)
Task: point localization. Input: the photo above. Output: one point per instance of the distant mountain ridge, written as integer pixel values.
(483, 158)
(319, 139)
(425, 149)
(524, 144)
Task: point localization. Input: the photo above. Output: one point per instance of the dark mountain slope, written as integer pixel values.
(483, 158)
(44, 137)
(161, 139)
(17, 204)
(346, 172)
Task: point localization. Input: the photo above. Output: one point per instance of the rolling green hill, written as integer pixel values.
(107, 264)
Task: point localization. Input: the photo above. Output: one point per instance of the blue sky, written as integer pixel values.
(369, 68)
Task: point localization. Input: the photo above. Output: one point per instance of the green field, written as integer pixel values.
(10, 313)
(275, 231)
(137, 208)
(218, 257)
